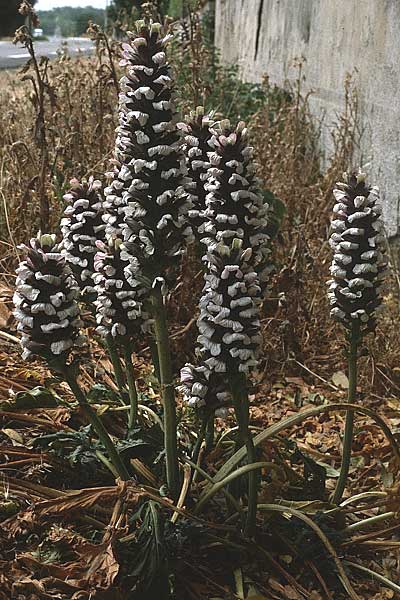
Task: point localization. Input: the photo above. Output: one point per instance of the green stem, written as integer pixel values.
(200, 437)
(107, 463)
(96, 422)
(374, 575)
(370, 521)
(133, 396)
(210, 433)
(167, 392)
(154, 358)
(208, 477)
(349, 425)
(116, 363)
(238, 385)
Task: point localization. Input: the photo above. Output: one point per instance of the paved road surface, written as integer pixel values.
(14, 56)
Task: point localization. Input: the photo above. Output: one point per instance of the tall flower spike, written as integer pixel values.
(145, 198)
(229, 342)
(235, 207)
(119, 307)
(45, 301)
(358, 262)
(229, 323)
(198, 134)
(81, 227)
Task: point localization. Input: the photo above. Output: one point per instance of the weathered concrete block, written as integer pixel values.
(336, 37)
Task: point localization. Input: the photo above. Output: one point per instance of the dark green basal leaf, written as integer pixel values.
(39, 397)
(144, 443)
(148, 563)
(78, 448)
(101, 393)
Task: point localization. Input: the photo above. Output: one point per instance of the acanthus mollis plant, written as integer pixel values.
(145, 199)
(120, 314)
(48, 318)
(197, 145)
(235, 207)
(81, 227)
(357, 271)
(229, 342)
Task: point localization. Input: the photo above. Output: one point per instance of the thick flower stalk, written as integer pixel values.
(357, 271)
(145, 199)
(235, 207)
(197, 145)
(81, 226)
(48, 318)
(120, 314)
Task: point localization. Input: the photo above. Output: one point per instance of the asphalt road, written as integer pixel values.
(15, 56)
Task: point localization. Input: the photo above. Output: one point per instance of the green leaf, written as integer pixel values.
(39, 397)
(101, 393)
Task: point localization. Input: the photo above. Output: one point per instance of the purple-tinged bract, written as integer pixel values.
(45, 301)
(145, 201)
(82, 226)
(358, 263)
(119, 302)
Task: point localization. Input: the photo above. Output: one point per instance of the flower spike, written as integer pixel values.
(145, 199)
(45, 302)
(234, 205)
(119, 306)
(357, 271)
(358, 263)
(81, 227)
(198, 134)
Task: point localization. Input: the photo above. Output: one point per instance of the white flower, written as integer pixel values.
(45, 307)
(358, 264)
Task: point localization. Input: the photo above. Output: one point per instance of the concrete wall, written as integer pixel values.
(336, 37)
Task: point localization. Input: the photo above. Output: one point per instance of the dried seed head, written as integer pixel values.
(45, 301)
(26, 10)
(358, 263)
(81, 227)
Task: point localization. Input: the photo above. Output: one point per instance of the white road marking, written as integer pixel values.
(18, 56)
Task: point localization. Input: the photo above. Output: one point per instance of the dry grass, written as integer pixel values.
(298, 329)
(79, 111)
